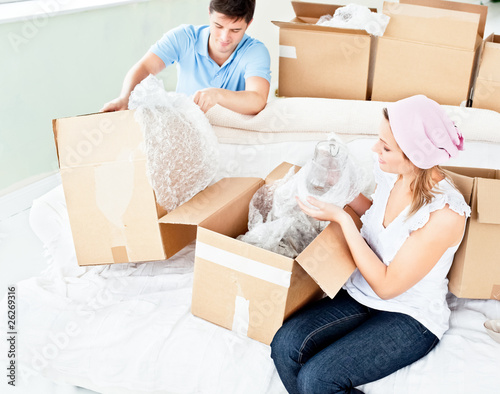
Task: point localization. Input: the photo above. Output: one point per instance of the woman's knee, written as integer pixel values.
(281, 344)
(314, 380)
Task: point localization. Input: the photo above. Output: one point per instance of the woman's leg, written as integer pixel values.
(383, 344)
(311, 330)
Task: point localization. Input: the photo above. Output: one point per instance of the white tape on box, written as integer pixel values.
(288, 51)
(241, 317)
(244, 265)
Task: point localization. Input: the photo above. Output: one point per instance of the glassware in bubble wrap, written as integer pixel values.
(326, 167)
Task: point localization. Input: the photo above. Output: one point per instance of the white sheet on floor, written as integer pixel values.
(127, 328)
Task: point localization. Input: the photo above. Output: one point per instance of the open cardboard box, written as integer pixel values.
(429, 47)
(111, 204)
(475, 272)
(321, 61)
(487, 86)
(251, 290)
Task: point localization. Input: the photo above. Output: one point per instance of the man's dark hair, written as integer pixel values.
(237, 9)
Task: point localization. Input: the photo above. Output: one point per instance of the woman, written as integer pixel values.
(392, 311)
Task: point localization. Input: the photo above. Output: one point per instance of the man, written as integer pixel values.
(218, 63)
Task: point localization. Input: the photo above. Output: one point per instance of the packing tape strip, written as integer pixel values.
(288, 51)
(241, 318)
(244, 265)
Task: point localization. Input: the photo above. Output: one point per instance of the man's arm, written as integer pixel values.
(149, 64)
(250, 101)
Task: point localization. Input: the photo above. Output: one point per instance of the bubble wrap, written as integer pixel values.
(275, 221)
(181, 147)
(354, 16)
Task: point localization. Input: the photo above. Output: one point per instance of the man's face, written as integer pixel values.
(225, 34)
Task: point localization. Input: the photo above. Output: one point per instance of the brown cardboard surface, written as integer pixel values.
(315, 10)
(429, 47)
(329, 272)
(111, 205)
(97, 138)
(212, 199)
(488, 197)
(487, 86)
(215, 286)
(435, 26)
(481, 10)
(331, 62)
(475, 272)
(279, 172)
(403, 69)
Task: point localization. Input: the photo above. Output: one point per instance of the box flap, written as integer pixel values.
(489, 68)
(328, 260)
(313, 10)
(316, 10)
(482, 10)
(488, 196)
(279, 172)
(436, 26)
(209, 201)
(98, 138)
(310, 26)
(463, 183)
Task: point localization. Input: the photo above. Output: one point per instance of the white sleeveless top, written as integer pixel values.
(425, 301)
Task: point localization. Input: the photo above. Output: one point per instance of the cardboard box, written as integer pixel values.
(487, 86)
(251, 290)
(429, 47)
(111, 205)
(321, 61)
(475, 272)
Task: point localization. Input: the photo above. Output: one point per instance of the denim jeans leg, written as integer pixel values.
(312, 329)
(386, 342)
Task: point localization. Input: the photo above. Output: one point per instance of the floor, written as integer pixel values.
(22, 256)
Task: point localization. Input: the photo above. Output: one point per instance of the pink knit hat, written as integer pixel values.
(423, 131)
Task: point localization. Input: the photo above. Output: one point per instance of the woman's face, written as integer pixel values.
(390, 157)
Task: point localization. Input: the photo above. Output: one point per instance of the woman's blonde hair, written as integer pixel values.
(422, 187)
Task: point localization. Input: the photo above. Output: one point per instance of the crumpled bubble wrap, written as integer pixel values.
(275, 221)
(354, 16)
(181, 147)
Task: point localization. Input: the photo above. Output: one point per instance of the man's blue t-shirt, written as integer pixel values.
(188, 46)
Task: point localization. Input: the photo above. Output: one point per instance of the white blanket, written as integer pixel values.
(299, 119)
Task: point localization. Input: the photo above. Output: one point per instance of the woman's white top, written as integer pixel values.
(425, 301)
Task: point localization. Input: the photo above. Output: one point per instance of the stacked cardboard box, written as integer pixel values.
(429, 47)
(487, 86)
(321, 61)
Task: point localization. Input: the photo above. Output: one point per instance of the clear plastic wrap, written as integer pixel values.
(354, 16)
(275, 221)
(181, 147)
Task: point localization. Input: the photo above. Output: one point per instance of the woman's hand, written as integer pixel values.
(323, 211)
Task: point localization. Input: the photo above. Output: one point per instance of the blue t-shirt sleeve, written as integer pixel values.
(258, 62)
(173, 44)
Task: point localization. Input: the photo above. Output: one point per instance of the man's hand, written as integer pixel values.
(207, 98)
(118, 104)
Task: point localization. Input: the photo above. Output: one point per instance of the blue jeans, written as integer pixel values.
(336, 344)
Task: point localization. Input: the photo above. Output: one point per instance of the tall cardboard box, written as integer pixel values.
(475, 272)
(251, 290)
(320, 61)
(429, 47)
(487, 86)
(111, 204)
